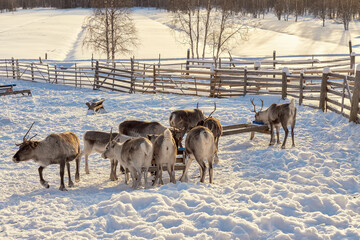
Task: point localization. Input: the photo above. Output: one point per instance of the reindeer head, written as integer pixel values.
(109, 149)
(26, 148)
(258, 114)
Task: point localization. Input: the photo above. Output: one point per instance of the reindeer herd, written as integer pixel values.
(140, 144)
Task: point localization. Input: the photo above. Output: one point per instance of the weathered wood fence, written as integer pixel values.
(303, 79)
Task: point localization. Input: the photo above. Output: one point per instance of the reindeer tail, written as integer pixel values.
(167, 133)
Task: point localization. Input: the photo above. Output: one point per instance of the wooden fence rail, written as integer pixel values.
(336, 91)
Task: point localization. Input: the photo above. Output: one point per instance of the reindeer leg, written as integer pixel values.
(188, 163)
(216, 157)
(42, 181)
(202, 170)
(86, 164)
(272, 139)
(62, 170)
(211, 171)
(252, 135)
(71, 184)
(286, 134)
(278, 134)
(172, 178)
(292, 133)
(115, 166)
(160, 175)
(77, 172)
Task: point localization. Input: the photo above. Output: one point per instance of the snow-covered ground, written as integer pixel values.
(310, 191)
(32, 33)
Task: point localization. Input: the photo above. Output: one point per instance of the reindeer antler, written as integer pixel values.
(252, 102)
(24, 138)
(212, 111)
(262, 104)
(197, 106)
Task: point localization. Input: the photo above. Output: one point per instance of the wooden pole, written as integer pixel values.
(154, 77)
(45, 56)
(352, 60)
(350, 47)
(285, 71)
(274, 59)
(13, 67)
(32, 71)
(132, 89)
(355, 98)
(56, 77)
(245, 80)
(301, 95)
(96, 77)
(212, 81)
(187, 60)
(323, 90)
(17, 69)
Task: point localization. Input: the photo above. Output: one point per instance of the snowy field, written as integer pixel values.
(32, 33)
(310, 191)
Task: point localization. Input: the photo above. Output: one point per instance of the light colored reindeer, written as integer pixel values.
(134, 154)
(276, 114)
(200, 145)
(165, 151)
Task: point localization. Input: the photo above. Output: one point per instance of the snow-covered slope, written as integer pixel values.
(259, 192)
(59, 33)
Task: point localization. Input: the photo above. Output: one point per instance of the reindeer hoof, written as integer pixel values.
(112, 178)
(62, 188)
(71, 184)
(282, 147)
(45, 184)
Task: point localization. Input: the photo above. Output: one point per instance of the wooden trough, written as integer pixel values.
(227, 130)
(245, 127)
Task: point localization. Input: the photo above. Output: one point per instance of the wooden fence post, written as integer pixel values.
(355, 98)
(323, 90)
(274, 64)
(96, 77)
(301, 95)
(212, 81)
(350, 47)
(132, 89)
(245, 80)
(285, 71)
(352, 60)
(56, 76)
(32, 71)
(75, 75)
(187, 60)
(154, 78)
(13, 67)
(17, 69)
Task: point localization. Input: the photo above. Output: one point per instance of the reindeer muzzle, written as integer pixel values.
(15, 160)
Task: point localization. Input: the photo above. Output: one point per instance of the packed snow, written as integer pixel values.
(310, 191)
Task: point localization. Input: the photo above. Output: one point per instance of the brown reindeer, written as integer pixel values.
(54, 149)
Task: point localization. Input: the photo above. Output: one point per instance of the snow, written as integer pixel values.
(259, 192)
(59, 33)
(310, 191)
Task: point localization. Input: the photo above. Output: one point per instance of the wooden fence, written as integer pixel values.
(302, 79)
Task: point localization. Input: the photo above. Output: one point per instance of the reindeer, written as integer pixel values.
(185, 120)
(215, 127)
(54, 149)
(276, 114)
(137, 128)
(134, 154)
(165, 151)
(96, 141)
(199, 144)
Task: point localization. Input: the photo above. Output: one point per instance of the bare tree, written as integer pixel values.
(111, 30)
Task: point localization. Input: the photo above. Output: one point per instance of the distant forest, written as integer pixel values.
(343, 10)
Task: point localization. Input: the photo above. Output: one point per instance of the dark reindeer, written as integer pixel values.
(54, 149)
(185, 120)
(276, 114)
